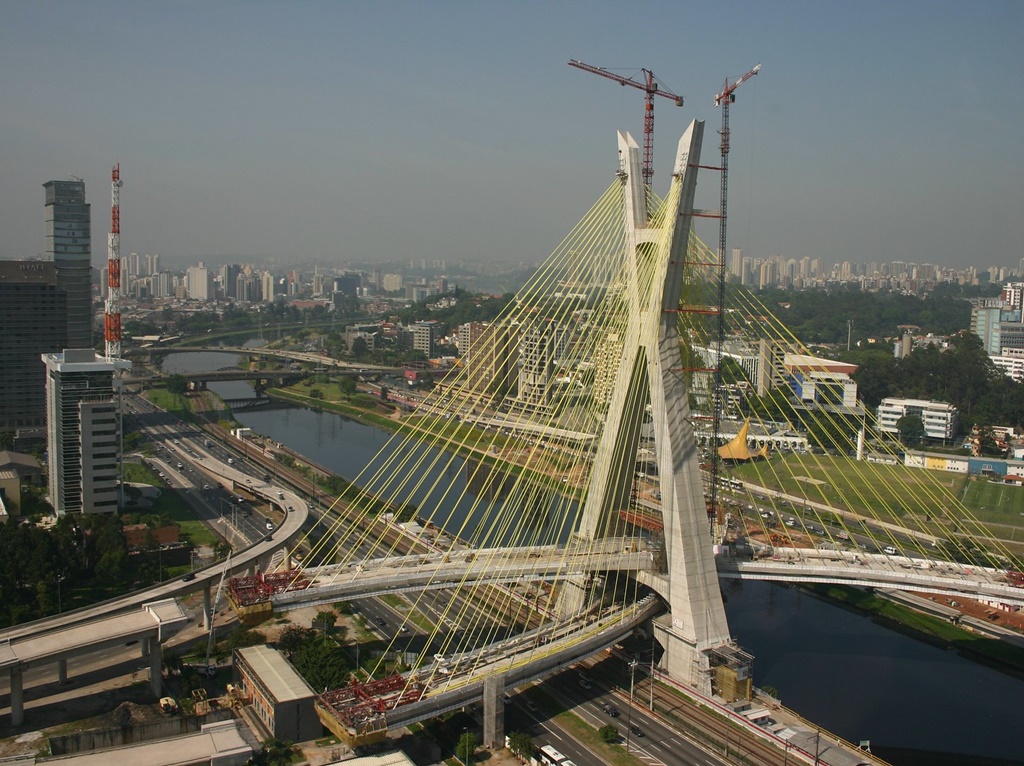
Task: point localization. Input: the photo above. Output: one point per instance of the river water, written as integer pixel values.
(838, 669)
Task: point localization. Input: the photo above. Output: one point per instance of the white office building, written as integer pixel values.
(83, 431)
(940, 419)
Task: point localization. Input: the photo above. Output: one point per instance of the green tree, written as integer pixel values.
(325, 620)
(359, 348)
(347, 385)
(467, 745)
(521, 745)
(608, 733)
(275, 752)
(911, 429)
(177, 385)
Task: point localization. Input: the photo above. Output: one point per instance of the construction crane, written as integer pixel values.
(652, 88)
(723, 99)
(208, 669)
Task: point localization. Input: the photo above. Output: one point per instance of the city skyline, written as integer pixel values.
(361, 132)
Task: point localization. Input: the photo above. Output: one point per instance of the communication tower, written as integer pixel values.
(112, 315)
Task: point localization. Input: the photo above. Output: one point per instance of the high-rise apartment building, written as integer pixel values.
(199, 283)
(425, 335)
(67, 229)
(33, 318)
(539, 349)
(489, 353)
(736, 263)
(83, 428)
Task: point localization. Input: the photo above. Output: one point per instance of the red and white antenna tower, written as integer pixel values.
(112, 319)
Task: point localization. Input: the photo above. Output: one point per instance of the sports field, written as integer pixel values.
(885, 491)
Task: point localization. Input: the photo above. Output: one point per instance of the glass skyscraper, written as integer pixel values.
(69, 246)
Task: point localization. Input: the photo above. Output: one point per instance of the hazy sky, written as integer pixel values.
(330, 131)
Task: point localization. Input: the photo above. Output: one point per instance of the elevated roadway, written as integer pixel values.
(452, 683)
(799, 565)
(437, 571)
(150, 615)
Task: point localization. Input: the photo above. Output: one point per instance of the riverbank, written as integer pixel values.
(937, 631)
(992, 652)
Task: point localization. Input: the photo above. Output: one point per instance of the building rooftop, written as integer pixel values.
(280, 678)
(219, 743)
(20, 463)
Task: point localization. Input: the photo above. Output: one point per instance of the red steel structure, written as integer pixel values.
(112, 315)
(651, 87)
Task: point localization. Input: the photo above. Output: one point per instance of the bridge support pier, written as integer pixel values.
(17, 698)
(156, 669)
(62, 672)
(573, 596)
(681, 659)
(207, 611)
(494, 711)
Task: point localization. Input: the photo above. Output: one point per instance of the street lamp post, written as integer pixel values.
(629, 710)
(60, 608)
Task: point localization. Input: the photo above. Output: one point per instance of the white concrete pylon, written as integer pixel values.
(650, 371)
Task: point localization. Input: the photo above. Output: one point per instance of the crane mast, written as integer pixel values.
(651, 87)
(723, 99)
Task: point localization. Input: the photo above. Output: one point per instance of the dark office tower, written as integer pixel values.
(68, 245)
(33, 321)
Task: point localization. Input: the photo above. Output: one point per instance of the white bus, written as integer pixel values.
(551, 757)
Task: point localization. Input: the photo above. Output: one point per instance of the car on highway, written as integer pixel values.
(189, 577)
(270, 525)
(636, 731)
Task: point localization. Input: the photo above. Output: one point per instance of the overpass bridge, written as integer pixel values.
(320, 360)
(151, 615)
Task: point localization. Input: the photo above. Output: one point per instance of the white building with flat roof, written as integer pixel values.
(940, 419)
(83, 431)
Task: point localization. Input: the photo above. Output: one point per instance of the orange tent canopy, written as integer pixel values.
(737, 449)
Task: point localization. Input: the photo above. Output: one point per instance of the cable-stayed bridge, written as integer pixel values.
(554, 485)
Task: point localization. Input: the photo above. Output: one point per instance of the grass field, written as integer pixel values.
(884, 491)
(994, 502)
(169, 505)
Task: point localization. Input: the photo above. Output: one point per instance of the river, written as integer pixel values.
(838, 669)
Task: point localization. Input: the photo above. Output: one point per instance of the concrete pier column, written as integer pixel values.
(494, 711)
(156, 670)
(145, 647)
(62, 671)
(17, 698)
(207, 607)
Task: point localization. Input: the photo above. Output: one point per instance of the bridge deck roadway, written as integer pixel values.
(875, 571)
(452, 684)
(434, 571)
(158, 620)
